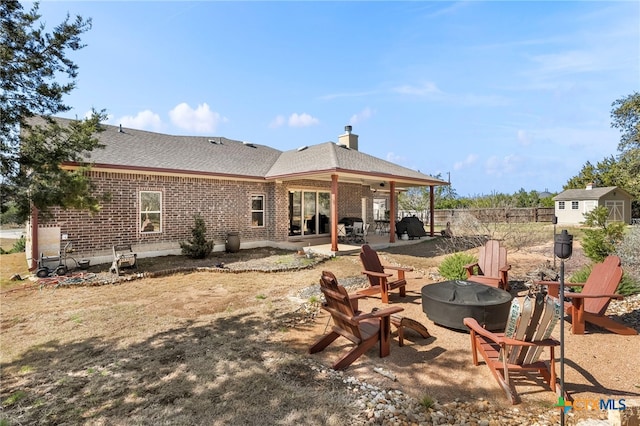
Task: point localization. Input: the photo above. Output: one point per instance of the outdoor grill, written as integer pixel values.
(449, 302)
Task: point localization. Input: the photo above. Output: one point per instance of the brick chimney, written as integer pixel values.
(348, 139)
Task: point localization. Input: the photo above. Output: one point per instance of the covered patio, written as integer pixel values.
(329, 182)
(324, 247)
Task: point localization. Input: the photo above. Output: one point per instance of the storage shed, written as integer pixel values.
(572, 204)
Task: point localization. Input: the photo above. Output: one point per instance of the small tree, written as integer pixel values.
(36, 73)
(198, 247)
(600, 241)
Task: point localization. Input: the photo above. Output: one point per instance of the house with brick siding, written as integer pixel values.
(156, 183)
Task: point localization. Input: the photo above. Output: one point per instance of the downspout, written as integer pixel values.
(431, 208)
(334, 213)
(392, 212)
(34, 238)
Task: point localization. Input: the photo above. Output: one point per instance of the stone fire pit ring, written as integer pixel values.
(448, 303)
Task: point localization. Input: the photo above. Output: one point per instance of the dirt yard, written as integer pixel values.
(218, 347)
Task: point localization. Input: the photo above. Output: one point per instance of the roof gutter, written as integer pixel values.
(160, 171)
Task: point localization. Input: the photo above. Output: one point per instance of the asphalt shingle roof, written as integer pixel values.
(142, 149)
(139, 149)
(584, 194)
(330, 156)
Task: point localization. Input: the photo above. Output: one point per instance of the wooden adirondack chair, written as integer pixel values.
(378, 278)
(519, 348)
(491, 268)
(591, 303)
(364, 330)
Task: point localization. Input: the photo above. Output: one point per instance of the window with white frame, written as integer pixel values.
(257, 210)
(150, 211)
(575, 205)
(560, 205)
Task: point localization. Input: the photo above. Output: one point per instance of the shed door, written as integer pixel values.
(616, 210)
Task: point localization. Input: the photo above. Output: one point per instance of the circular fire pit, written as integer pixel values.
(449, 302)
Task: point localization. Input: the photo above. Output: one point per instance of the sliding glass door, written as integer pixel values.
(309, 212)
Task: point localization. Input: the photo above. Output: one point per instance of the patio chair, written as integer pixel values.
(520, 347)
(379, 280)
(342, 233)
(356, 231)
(123, 257)
(360, 231)
(365, 231)
(491, 267)
(362, 329)
(590, 305)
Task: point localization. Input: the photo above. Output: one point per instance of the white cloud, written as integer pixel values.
(587, 139)
(396, 159)
(425, 89)
(432, 92)
(471, 100)
(523, 138)
(570, 62)
(302, 120)
(363, 115)
(436, 10)
(199, 120)
(499, 166)
(401, 160)
(332, 96)
(277, 122)
(471, 158)
(144, 120)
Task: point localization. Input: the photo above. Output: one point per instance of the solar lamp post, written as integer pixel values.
(562, 248)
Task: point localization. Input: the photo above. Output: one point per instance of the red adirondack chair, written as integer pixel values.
(379, 279)
(591, 303)
(518, 350)
(364, 330)
(491, 268)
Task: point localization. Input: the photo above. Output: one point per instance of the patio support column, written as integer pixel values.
(334, 213)
(431, 208)
(392, 212)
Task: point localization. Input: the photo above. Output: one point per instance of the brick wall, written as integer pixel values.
(225, 206)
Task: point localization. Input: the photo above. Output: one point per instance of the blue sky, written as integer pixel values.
(499, 95)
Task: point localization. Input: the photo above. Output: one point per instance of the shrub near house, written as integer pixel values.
(198, 247)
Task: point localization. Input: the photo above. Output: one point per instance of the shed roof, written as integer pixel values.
(584, 194)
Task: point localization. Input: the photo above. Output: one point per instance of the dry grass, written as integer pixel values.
(225, 348)
(11, 264)
(194, 348)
